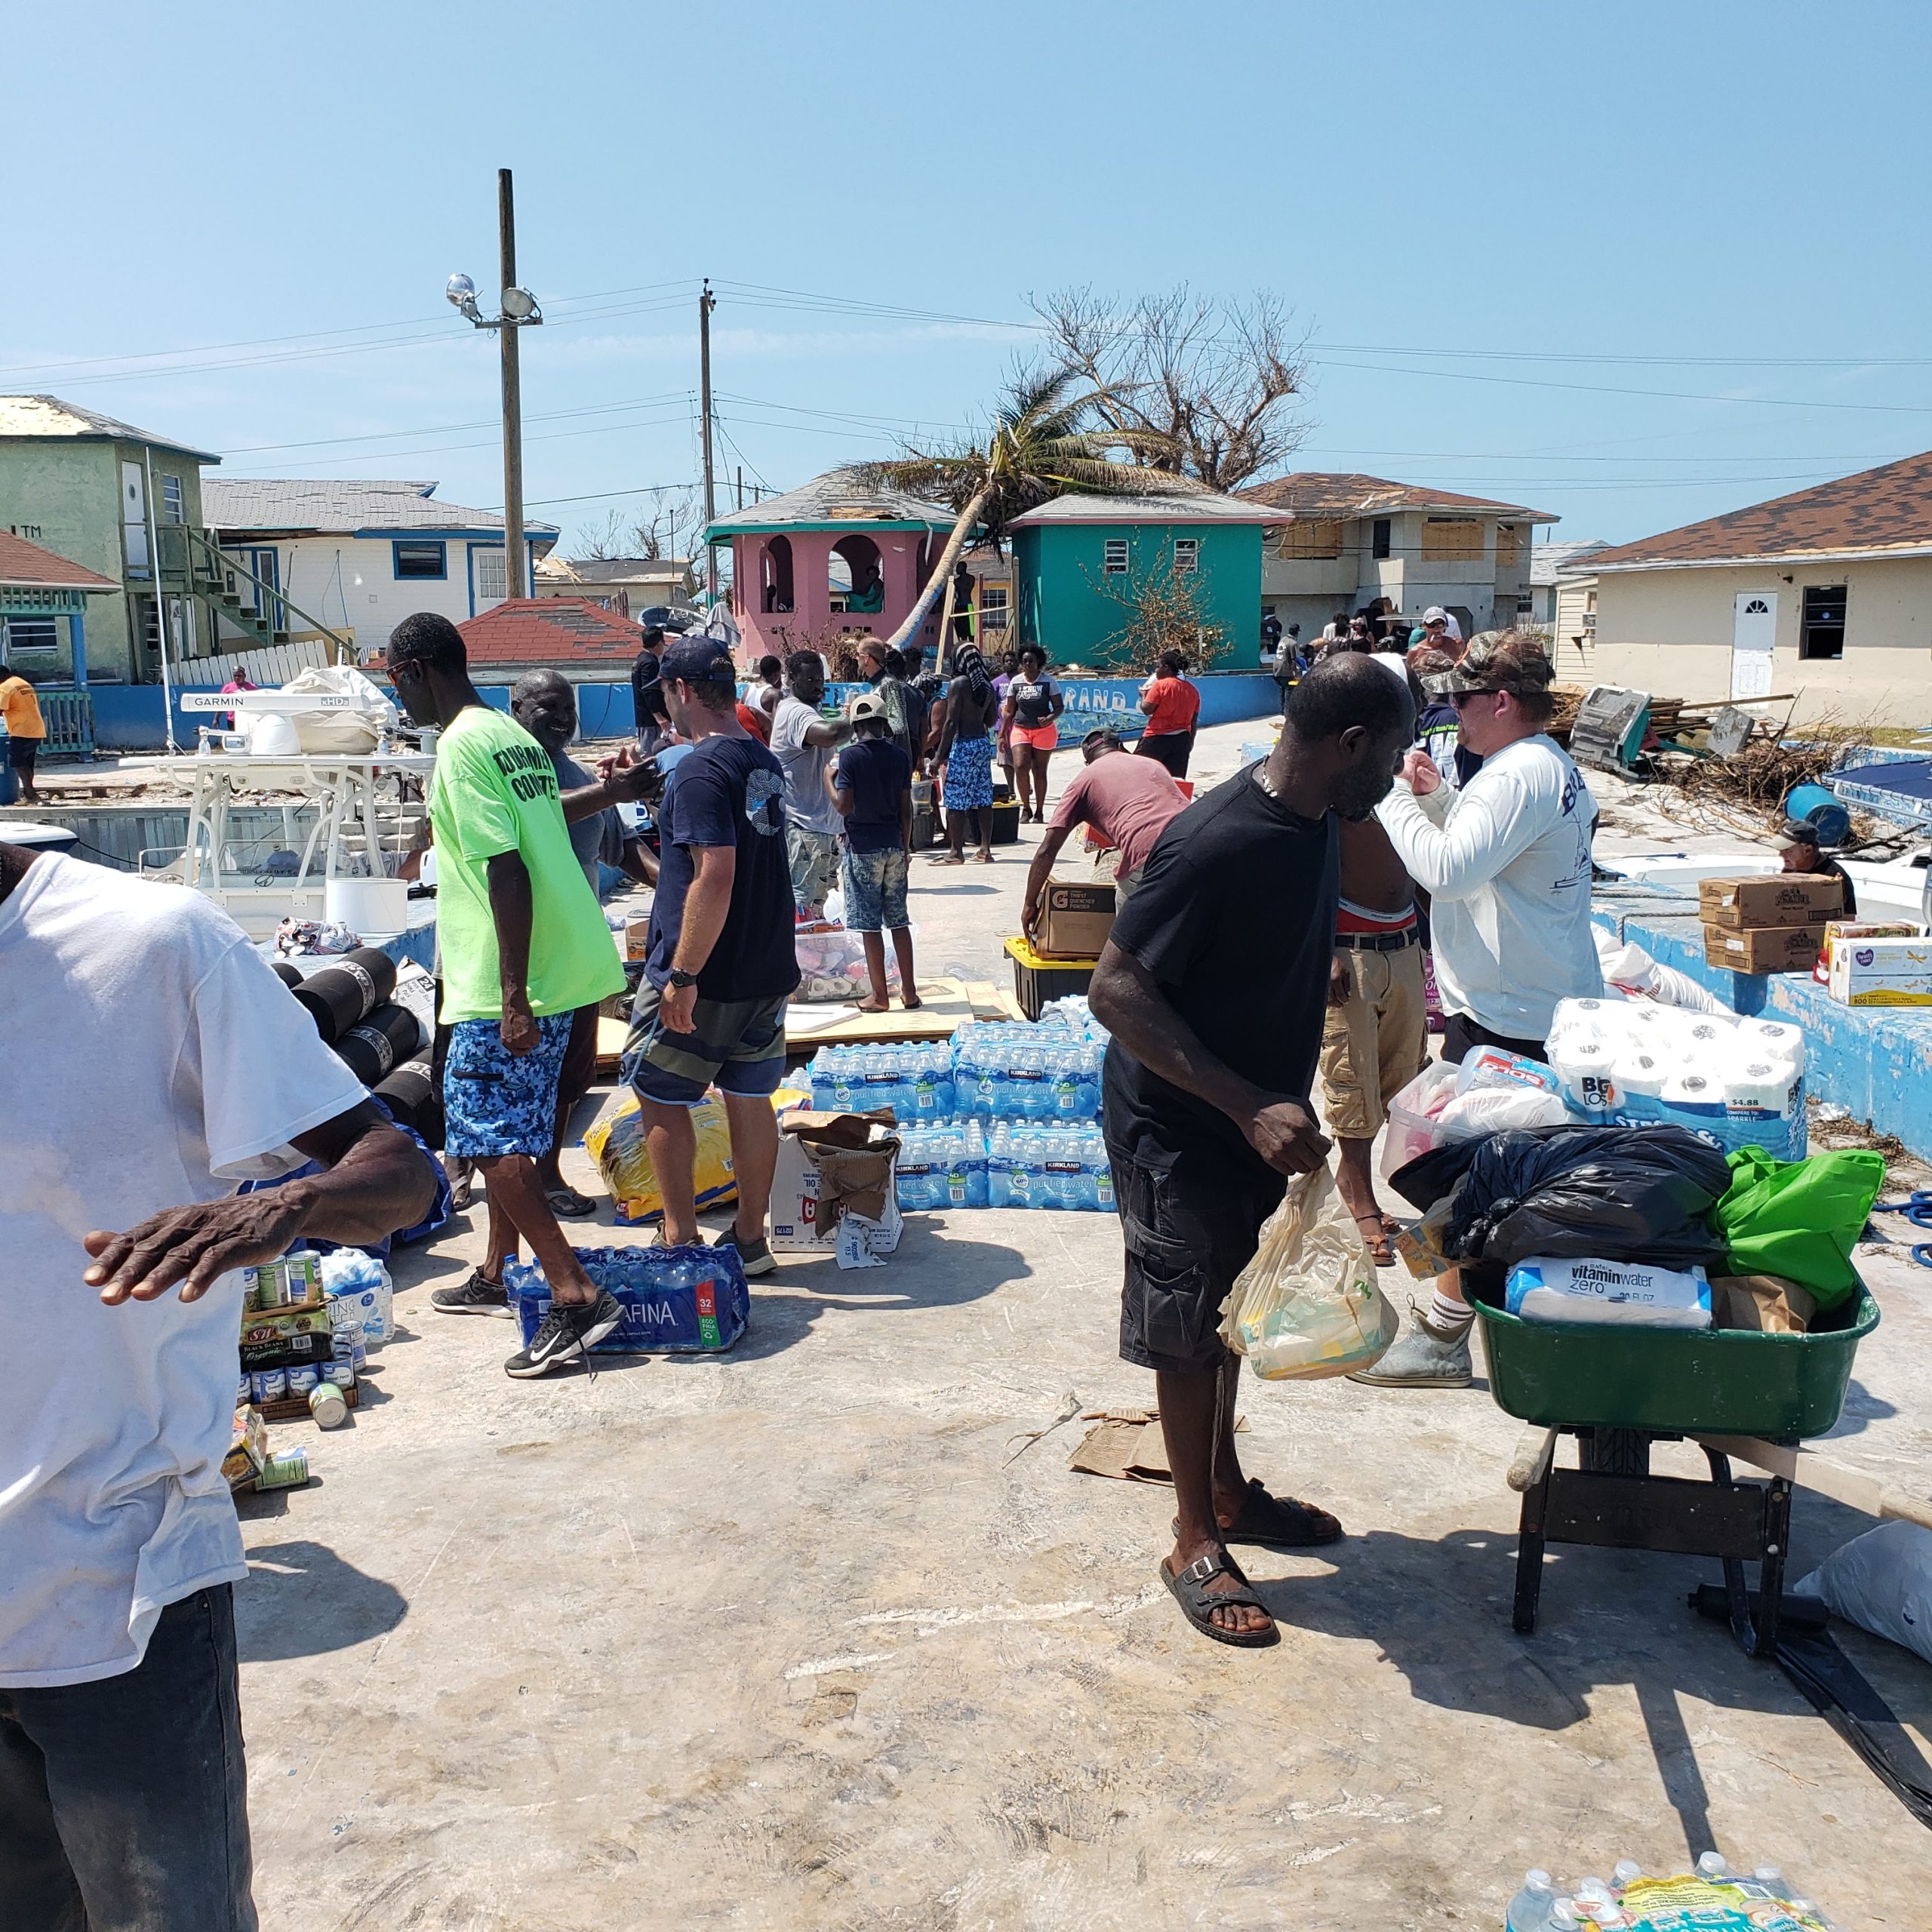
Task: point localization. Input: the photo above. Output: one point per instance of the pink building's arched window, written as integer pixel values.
(861, 559)
(775, 576)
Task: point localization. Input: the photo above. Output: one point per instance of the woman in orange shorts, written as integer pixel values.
(1033, 702)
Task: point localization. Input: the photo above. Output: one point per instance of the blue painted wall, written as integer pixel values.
(1876, 1060)
(129, 717)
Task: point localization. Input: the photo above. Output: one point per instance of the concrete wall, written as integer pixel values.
(1064, 609)
(1669, 632)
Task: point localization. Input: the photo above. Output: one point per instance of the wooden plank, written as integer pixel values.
(1850, 1486)
(946, 1007)
(611, 1034)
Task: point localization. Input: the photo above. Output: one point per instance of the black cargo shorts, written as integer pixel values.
(1192, 1222)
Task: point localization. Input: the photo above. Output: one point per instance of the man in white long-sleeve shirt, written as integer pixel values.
(1506, 863)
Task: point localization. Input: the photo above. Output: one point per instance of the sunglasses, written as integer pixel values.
(1458, 699)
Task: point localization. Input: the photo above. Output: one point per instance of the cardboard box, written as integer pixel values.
(1836, 930)
(1762, 1304)
(1764, 949)
(1776, 899)
(1076, 920)
(637, 937)
(830, 1164)
(1882, 972)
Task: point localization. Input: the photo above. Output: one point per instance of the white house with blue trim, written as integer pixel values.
(360, 556)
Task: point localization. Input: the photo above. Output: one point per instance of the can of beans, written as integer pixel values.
(271, 1385)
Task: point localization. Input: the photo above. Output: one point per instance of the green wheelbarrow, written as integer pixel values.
(1618, 1390)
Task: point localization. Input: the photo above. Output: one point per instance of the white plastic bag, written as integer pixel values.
(1490, 1109)
(1882, 1582)
(1308, 1306)
(351, 728)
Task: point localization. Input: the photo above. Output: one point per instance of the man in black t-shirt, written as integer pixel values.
(721, 959)
(645, 668)
(1213, 985)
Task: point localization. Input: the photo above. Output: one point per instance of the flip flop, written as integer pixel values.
(1277, 1522)
(569, 1205)
(1380, 1252)
(1198, 1603)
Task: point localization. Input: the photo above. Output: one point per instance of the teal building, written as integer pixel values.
(1085, 563)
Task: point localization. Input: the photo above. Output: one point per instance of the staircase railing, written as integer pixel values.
(196, 554)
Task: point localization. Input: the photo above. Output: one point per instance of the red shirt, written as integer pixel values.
(1176, 706)
(757, 722)
(1128, 801)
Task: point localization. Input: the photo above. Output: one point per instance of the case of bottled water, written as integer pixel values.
(914, 1078)
(1040, 1072)
(676, 1300)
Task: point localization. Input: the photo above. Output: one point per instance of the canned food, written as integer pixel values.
(303, 1378)
(287, 1469)
(326, 1405)
(352, 1345)
(342, 1374)
(245, 1393)
(271, 1385)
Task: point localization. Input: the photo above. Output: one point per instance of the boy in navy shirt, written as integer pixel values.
(872, 786)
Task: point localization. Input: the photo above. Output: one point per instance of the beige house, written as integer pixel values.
(1826, 594)
(623, 585)
(1350, 540)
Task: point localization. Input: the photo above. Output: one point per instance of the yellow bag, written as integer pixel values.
(616, 1144)
(1308, 1305)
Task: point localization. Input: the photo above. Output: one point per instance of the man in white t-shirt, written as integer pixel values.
(166, 1063)
(1505, 861)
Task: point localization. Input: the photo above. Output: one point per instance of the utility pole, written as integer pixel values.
(741, 486)
(706, 302)
(515, 571)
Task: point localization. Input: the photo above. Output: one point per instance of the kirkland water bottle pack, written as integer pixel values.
(1711, 1899)
(943, 1166)
(1048, 1166)
(676, 1300)
(1734, 1082)
(914, 1078)
(1013, 1072)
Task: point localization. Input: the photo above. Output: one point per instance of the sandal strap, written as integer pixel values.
(1204, 1570)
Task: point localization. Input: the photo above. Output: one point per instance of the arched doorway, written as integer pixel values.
(775, 576)
(865, 588)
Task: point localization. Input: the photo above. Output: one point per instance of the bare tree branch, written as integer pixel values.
(1204, 389)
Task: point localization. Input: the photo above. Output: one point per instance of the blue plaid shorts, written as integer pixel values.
(496, 1103)
(874, 884)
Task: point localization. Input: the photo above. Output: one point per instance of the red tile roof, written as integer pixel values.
(27, 567)
(565, 631)
(1325, 494)
(1884, 509)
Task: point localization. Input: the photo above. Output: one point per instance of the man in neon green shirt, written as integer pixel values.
(524, 945)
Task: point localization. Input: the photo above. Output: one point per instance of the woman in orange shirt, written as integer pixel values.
(19, 710)
(1173, 707)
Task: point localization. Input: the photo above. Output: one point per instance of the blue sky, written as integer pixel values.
(1506, 229)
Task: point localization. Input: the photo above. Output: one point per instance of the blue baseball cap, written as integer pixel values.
(696, 660)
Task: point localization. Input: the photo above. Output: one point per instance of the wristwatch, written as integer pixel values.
(681, 978)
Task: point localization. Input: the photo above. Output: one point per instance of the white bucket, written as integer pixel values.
(369, 907)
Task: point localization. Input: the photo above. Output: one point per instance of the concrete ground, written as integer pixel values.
(825, 1633)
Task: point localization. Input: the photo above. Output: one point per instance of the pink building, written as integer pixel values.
(829, 561)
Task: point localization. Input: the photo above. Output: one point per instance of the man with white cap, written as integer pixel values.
(1505, 861)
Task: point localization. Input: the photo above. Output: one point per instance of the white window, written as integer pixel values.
(993, 604)
(1187, 556)
(492, 577)
(1113, 556)
(173, 508)
(37, 636)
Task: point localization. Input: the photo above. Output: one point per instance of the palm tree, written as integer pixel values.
(1038, 447)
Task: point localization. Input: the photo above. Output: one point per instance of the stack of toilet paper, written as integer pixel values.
(1735, 1082)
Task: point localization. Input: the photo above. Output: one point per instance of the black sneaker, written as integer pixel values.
(754, 1256)
(476, 1296)
(566, 1333)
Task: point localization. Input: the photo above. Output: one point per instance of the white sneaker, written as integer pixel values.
(1424, 1358)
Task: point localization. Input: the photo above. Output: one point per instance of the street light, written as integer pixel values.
(517, 308)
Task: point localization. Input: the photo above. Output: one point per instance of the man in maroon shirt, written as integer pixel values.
(1127, 801)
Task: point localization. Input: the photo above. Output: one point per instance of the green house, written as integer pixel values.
(119, 503)
(1093, 570)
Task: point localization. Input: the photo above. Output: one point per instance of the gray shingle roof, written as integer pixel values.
(836, 497)
(1548, 562)
(49, 416)
(326, 505)
(1201, 506)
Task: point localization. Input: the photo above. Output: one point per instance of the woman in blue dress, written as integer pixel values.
(965, 754)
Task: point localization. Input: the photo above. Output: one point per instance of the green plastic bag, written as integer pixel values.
(1799, 1218)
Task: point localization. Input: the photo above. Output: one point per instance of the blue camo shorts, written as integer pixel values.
(969, 775)
(874, 884)
(496, 1103)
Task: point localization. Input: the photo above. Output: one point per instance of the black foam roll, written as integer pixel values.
(289, 976)
(347, 991)
(410, 1094)
(372, 1048)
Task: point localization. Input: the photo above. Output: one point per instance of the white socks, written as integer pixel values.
(1449, 1317)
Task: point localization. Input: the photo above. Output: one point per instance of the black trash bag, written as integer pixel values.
(1599, 1193)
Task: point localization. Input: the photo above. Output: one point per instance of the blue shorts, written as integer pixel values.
(738, 1043)
(969, 775)
(874, 884)
(496, 1103)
